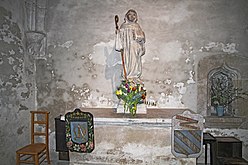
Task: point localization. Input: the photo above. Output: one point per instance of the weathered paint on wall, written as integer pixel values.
(79, 66)
(99, 58)
(83, 53)
(179, 35)
(130, 144)
(16, 83)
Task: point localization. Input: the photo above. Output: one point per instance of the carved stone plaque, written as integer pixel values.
(187, 135)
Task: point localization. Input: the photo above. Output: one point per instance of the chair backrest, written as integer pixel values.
(39, 126)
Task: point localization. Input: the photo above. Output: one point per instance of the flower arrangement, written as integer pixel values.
(131, 93)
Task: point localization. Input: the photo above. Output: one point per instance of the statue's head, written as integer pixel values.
(131, 16)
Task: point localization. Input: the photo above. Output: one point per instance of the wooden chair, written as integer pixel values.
(37, 151)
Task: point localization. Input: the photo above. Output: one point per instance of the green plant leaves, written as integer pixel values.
(131, 93)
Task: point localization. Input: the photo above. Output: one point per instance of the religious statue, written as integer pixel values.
(130, 41)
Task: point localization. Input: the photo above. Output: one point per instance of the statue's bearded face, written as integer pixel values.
(131, 16)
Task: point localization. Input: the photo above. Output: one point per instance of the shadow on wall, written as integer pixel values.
(113, 67)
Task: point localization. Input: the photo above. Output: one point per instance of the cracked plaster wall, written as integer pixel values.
(16, 81)
(80, 67)
(85, 68)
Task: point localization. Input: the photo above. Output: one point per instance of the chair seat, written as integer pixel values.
(32, 149)
(38, 150)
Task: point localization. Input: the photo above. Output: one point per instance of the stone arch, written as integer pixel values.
(228, 76)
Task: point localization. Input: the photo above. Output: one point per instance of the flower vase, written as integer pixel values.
(130, 108)
(122, 108)
(220, 110)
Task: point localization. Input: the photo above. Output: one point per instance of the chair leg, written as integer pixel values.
(17, 159)
(48, 157)
(33, 158)
(36, 158)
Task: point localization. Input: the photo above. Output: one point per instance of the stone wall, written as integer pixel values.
(81, 67)
(17, 87)
(64, 58)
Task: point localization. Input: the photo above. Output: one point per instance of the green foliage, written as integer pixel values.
(223, 94)
(132, 94)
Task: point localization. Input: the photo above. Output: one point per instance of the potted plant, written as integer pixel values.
(223, 93)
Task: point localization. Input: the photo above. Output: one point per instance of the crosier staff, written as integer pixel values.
(122, 56)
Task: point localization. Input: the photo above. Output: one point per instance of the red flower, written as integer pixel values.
(91, 145)
(143, 96)
(134, 88)
(83, 147)
(69, 144)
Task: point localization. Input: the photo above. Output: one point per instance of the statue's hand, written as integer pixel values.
(140, 40)
(117, 31)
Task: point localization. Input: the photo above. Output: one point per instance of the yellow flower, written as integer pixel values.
(118, 92)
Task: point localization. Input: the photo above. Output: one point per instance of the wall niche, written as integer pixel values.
(224, 78)
(232, 71)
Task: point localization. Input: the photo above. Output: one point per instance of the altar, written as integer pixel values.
(122, 139)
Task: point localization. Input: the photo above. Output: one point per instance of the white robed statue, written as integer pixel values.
(130, 41)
